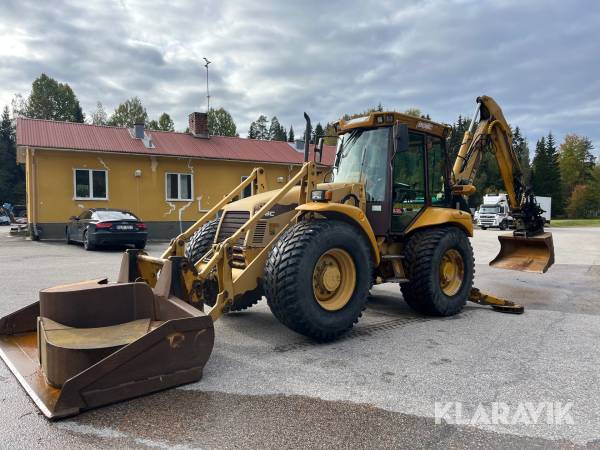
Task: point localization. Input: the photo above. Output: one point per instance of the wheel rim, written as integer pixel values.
(85, 240)
(452, 272)
(334, 279)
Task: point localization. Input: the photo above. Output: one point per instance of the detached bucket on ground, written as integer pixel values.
(90, 344)
(526, 254)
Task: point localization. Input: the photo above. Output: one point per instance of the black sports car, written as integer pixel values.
(102, 226)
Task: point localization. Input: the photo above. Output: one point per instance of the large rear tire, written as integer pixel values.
(440, 268)
(198, 245)
(317, 278)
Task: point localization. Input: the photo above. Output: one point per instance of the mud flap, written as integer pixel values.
(91, 344)
(526, 254)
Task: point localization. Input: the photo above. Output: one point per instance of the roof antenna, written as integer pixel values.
(207, 91)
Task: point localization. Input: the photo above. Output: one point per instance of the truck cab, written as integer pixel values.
(494, 212)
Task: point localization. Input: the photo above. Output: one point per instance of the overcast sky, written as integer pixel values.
(539, 59)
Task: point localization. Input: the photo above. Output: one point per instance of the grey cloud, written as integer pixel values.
(538, 58)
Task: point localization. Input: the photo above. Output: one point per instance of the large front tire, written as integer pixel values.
(440, 268)
(199, 244)
(317, 278)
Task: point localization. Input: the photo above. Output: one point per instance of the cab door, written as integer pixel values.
(409, 182)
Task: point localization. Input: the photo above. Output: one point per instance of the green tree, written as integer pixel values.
(276, 131)
(545, 173)
(128, 113)
(12, 176)
(415, 112)
(576, 162)
(221, 123)
(330, 137)
(319, 132)
(291, 137)
(164, 123)
(259, 129)
(99, 116)
(582, 203)
(521, 149)
(52, 100)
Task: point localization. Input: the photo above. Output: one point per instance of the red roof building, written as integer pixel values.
(50, 134)
(168, 179)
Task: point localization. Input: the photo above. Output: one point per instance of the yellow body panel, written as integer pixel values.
(350, 211)
(382, 119)
(433, 216)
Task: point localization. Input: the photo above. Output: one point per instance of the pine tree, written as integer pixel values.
(319, 132)
(12, 176)
(252, 133)
(276, 130)
(261, 128)
(291, 137)
(521, 149)
(546, 178)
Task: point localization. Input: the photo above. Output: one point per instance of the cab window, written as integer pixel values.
(437, 171)
(408, 182)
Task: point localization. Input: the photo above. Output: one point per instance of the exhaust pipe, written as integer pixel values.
(307, 133)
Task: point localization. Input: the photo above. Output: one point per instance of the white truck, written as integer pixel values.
(495, 212)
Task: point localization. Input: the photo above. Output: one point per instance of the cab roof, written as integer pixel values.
(388, 118)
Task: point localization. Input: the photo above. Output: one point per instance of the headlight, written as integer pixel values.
(320, 195)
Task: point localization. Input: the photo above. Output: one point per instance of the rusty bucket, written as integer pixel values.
(526, 254)
(93, 343)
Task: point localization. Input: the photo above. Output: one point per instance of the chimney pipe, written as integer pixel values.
(138, 130)
(198, 124)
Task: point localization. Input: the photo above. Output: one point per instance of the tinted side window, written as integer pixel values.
(437, 167)
(408, 182)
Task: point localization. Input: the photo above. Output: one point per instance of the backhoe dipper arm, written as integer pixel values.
(492, 128)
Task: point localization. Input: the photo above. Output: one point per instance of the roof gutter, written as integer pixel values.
(162, 155)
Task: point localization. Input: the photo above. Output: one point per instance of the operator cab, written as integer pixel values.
(402, 162)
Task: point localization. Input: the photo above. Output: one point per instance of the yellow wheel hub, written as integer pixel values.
(334, 279)
(452, 272)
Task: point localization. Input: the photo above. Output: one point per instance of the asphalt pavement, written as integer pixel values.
(267, 387)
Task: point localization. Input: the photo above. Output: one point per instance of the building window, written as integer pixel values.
(179, 186)
(90, 184)
(247, 192)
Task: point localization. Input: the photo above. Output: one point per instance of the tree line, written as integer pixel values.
(568, 172)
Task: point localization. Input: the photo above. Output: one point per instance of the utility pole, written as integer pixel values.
(207, 91)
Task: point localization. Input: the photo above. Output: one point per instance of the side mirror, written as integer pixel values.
(318, 151)
(400, 137)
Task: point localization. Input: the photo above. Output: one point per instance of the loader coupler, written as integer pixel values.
(527, 254)
(90, 344)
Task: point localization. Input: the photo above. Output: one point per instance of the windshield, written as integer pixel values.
(114, 215)
(362, 157)
(489, 209)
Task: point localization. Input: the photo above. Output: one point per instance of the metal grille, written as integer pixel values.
(259, 232)
(231, 222)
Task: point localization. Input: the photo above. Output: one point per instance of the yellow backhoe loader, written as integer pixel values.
(391, 209)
